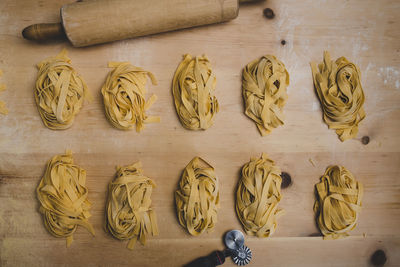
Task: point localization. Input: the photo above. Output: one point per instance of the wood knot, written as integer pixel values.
(286, 180)
(269, 13)
(378, 258)
(283, 42)
(365, 140)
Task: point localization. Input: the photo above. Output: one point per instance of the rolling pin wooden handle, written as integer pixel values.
(43, 32)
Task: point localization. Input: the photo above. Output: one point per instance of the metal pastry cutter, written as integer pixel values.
(234, 240)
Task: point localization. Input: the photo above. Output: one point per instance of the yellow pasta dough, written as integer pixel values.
(258, 195)
(59, 91)
(339, 90)
(129, 215)
(193, 90)
(338, 202)
(62, 194)
(197, 197)
(3, 108)
(123, 96)
(264, 92)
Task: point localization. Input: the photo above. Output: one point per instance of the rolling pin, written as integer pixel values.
(92, 22)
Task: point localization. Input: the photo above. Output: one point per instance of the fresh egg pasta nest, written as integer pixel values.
(124, 96)
(338, 87)
(264, 92)
(62, 194)
(59, 92)
(258, 195)
(129, 215)
(197, 197)
(338, 202)
(193, 89)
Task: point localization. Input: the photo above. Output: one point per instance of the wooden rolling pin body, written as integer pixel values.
(100, 21)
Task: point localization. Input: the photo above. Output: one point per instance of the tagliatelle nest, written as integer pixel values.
(264, 92)
(338, 202)
(59, 92)
(62, 194)
(197, 197)
(338, 87)
(193, 89)
(258, 195)
(124, 96)
(129, 215)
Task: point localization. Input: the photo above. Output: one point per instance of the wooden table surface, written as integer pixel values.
(365, 31)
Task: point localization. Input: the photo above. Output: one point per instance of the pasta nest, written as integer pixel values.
(338, 202)
(124, 96)
(258, 195)
(193, 89)
(197, 197)
(59, 92)
(62, 194)
(129, 215)
(264, 92)
(338, 87)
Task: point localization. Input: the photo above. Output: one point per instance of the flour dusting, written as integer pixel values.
(390, 76)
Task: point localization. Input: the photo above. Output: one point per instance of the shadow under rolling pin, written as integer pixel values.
(91, 22)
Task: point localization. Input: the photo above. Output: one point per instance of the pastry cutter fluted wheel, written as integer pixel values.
(242, 256)
(234, 239)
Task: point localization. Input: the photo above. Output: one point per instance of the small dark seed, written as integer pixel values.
(365, 140)
(378, 258)
(283, 42)
(268, 13)
(286, 180)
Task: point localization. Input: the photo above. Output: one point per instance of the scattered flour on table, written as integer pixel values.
(390, 76)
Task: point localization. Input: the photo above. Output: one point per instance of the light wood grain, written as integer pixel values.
(364, 31)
